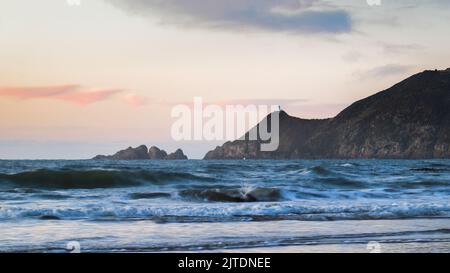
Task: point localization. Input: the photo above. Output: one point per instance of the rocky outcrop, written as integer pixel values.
(155, 153)
(139, 153)
(177, 155)
(410, 120)
(142, 153)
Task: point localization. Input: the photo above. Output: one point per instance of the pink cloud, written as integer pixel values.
(37, 92)
(135, 100)
(70, 93)
(89, 96)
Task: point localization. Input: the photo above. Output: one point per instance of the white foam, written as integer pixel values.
(293, 209)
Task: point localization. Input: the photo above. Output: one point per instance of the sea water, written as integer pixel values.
(255, 206)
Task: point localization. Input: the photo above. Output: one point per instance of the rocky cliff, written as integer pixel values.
(410, 120)
(143, 153)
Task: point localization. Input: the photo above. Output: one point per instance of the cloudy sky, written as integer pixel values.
(79, 80)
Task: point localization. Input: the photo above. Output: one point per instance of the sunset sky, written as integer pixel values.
(81, 80)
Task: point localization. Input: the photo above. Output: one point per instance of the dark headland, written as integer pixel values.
(410, 120)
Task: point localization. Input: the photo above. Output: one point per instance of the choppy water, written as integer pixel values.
(225, 205)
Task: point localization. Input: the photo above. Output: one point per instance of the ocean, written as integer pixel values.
(225, 206)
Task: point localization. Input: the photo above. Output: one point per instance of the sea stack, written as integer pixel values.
(139, 153)
(155, 153)
(177, 155)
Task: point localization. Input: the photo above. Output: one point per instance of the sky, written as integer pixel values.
(85, 77)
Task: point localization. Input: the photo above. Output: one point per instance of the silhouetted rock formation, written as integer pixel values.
(142, 153)
(139, 153)
(156, 154)
(178, 155)
(410, 120)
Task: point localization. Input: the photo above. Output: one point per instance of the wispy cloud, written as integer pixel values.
(303, 108)
(71, 93)
(352, 56)
(297, 107)
(89, 96)
(37, 91)
(395, 49)
(243, 102)
(281, 102)
(385, 71)
(299, 16)
(135, 100)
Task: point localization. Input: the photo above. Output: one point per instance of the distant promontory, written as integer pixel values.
(410, 120)
(143, 153)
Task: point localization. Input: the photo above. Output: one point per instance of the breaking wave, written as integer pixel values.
(234, 195)
(233, 212)
(90, 179)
